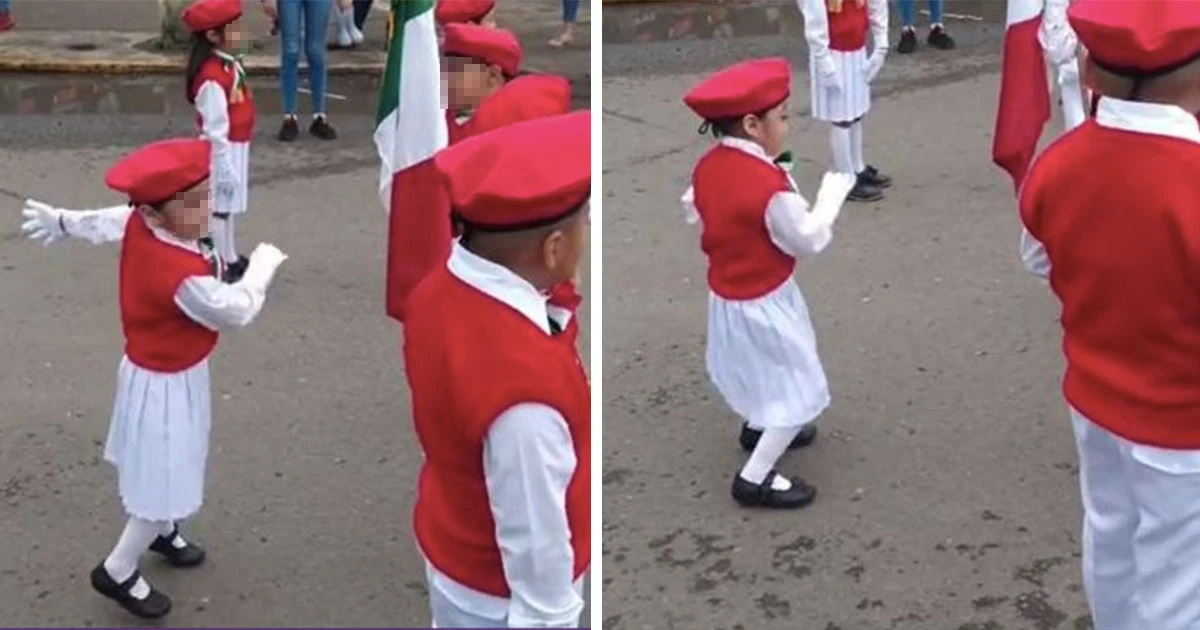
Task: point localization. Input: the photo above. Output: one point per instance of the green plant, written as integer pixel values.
(172, 31)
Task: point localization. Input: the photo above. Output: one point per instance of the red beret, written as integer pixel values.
(160, 170)
(524, 98)
(206, 15)
(494, 46)
(1133, 37)
(462, 11)
(745, 88)
(521, 176)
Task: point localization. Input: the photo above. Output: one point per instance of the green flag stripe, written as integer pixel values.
(389, 91)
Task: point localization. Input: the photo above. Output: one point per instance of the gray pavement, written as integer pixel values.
(313, 460)
(946, 469)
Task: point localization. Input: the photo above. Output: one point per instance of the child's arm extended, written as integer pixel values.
(799, 232)
(219, 306)
(49, 224)
(214, 122)
(528, 462)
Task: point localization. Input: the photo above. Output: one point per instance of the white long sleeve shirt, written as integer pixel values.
(528, 462)
(792, 227)
(204, 299)
(213, 107)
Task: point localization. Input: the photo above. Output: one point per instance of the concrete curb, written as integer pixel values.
(156, 66)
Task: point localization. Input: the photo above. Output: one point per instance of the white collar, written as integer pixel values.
(1150, 118)
(504, 286)
(170, 239)
(747, 146)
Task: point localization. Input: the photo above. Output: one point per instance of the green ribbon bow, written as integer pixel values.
(234, 61)
(785, 161)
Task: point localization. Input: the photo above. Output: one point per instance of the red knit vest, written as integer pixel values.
(1119, 215)
(732, 189)
(158, 336)
(848, 28)
(241, 114)
(468, 358)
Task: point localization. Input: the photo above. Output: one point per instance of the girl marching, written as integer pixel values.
(172, 306)
(762, 351)
(216, 86)
(841, 74)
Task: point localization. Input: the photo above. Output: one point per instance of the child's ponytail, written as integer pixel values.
(201, 50)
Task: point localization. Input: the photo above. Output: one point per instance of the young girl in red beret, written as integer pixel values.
(173, 305)
(762, 350)
(217, 87)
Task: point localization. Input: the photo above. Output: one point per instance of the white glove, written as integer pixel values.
(828, 76)
(264, 260)
(1058, 40)
(875, 63)
(835, 187)
(42, 222)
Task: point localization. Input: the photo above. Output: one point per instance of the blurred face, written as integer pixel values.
(563, 248)
(231, 37)
(468, 81)
(186, 216)
(769, 131)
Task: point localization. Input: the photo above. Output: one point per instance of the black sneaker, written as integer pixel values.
(290, 129)
(750, 436)
(749, 494)
(940, 39)
(908, 41)
(872, 177)
(187, 556)
(155, 605)
(864, 192)
(321, 129)
(235, 270)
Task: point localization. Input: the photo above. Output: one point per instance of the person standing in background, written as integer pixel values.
(938, 37)
(570, 16)
(313, 17)
(7, 23)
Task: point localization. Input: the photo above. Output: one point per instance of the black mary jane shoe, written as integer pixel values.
(235, 270)
(864, 193)
(749, 494)
(872, 177)
(189, 555)
(750, 437)
(155, 605)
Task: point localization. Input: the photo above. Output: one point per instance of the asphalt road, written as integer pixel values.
(313, 461)
(948, 485)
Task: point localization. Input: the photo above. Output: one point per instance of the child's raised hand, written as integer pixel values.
(42, 222)
(835, 187)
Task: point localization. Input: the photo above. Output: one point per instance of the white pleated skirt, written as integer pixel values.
(853, 100)
(158, 440)
(240, 152)
(762, 358)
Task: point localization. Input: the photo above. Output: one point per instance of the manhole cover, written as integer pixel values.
(81, 47)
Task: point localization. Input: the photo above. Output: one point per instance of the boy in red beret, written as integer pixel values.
(762, 350)
(501, 401)
(841, 73)
(1121, 248)
(173, 304)
(480, 12)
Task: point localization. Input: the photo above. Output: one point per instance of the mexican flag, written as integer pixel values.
(410, 128)
(1024, 91)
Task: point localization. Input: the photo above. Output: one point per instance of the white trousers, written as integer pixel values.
(1141, 532)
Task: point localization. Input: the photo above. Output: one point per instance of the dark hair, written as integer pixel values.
(731, 126)
(200, 51)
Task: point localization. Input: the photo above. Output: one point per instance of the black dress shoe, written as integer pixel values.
(872, 177)
(189, 555)
(749, 494)
(864, 192)
(750, 437)
(940, 39)
(908, 41)
(321, 128)
(235, 270)
(155, 605)
(290, 129)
